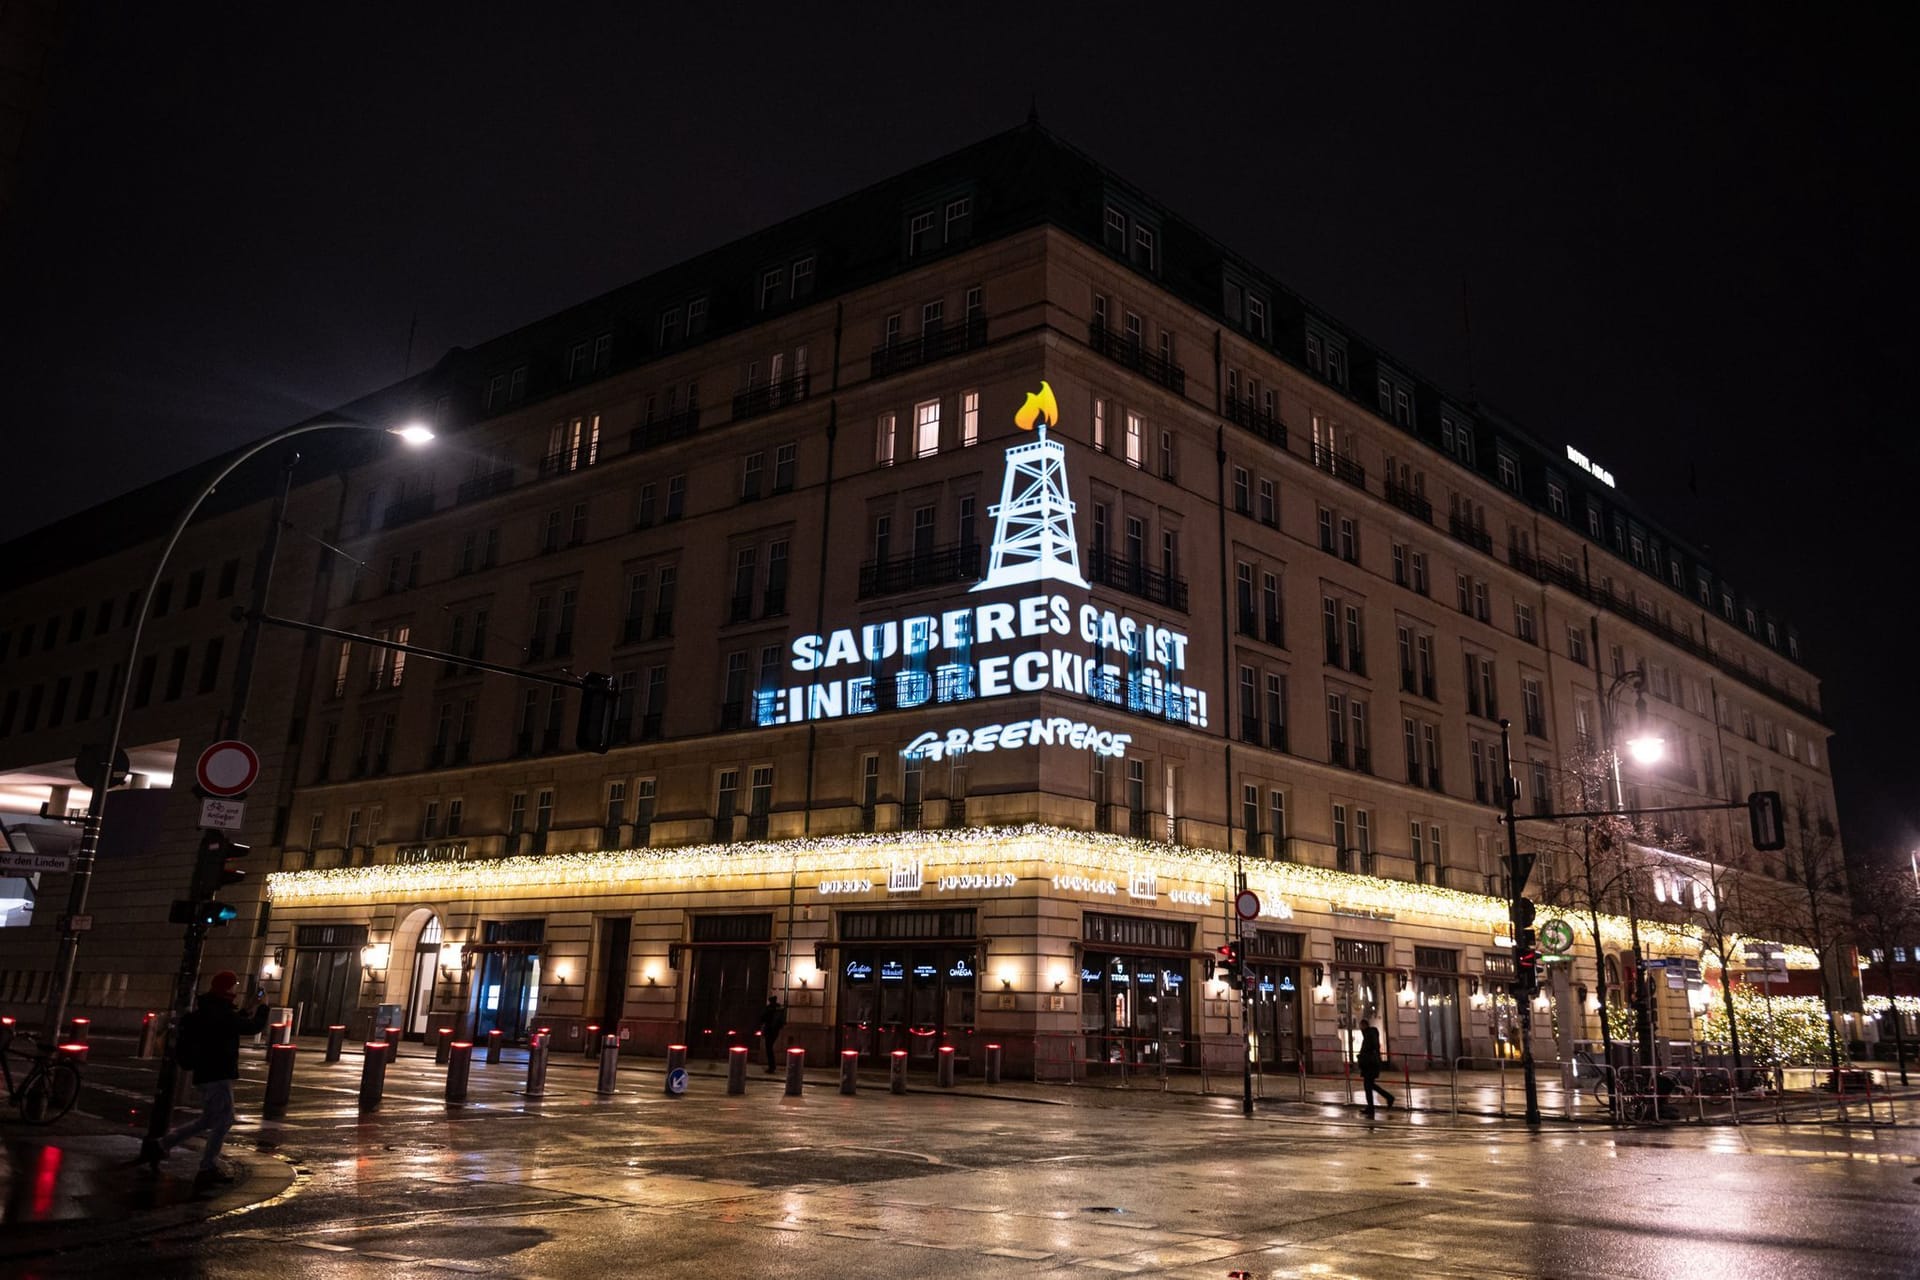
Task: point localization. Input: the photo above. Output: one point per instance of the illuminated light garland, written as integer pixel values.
(854, 857)
(1878, 1004)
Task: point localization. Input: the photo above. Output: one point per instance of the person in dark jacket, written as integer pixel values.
(773, 1019)
(1369, 1063)
(210, 1039)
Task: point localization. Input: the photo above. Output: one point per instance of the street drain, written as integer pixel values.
(1102, 1208)
(1406, 1184)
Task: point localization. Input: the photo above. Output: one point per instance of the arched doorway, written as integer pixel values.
(418, 940)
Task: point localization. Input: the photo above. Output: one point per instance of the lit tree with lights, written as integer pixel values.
(1887, 915)
(1809, 907)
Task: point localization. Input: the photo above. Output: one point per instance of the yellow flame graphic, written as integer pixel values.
(1040, 407)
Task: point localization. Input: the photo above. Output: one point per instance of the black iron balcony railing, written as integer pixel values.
(955, 562)
(1107, 570)
(1409, 501)
(1470, 534)
(1269, 428)
(755, 401)
(1339, 466)
(677, 425)
(934, 344)
(407, 510)
(478, 487)
(1127, 351)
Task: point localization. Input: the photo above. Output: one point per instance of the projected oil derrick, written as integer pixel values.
(1033, 522)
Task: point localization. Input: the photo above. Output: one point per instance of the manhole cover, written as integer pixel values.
(1102, 1208)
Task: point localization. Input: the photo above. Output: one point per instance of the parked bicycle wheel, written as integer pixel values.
(49, 1092)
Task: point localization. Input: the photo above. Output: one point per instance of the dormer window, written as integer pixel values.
(920, 234)
(1144, 242)
(1116, 230)
(696, 317)
(800, 279)
(959, 219)
(1509, 472)
(1256, 316)
(773, 287)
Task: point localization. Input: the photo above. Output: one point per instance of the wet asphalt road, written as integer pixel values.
(940, 1185)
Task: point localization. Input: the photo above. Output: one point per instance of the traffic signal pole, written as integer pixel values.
(1520, 912)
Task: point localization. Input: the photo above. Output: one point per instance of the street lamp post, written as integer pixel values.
(1645, 750)
(95, 820)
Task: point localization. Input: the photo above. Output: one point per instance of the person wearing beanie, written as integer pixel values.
(208, 1044)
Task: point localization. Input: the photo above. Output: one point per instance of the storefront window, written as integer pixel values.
(1437, 994)
(908, 980)
(1359, 992)
(1274, 958)
(1133, 1002)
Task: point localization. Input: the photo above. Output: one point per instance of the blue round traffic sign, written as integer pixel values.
(677, 1080)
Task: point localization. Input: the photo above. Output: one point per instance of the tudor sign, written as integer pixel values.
(227, 768)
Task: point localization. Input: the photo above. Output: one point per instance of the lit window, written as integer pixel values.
(1135, 445)
(926, 429)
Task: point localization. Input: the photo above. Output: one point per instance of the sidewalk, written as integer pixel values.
(75, 1182)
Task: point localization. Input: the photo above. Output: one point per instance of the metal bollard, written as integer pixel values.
(441, 1043)
(373, 1074)
(72, 1052)
(280, 1032)
(279, 1079)
(796, 1070)
(494, 1037)
(77, 1030)
(149, 1033)
(849, 1071)
(590, 1043)
(609, 1066)
(393, 1043)
(336, 1041)
(946, 1066)
(993, 1064)
(537, 1066)
(459, 1068)
(676, 1070)
(897, 1072)
(737, 1069)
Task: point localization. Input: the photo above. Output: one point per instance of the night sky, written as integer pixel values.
(1679, 235)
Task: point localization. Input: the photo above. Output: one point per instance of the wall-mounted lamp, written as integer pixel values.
(452, 956)
(561, 972)
(1542, 1002)
(805, 975)
(1058, 977)
(270, 967)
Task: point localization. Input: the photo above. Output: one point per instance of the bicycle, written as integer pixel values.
(49, 1088)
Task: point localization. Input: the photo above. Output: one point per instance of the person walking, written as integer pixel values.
(773, 1019)
(1370, 1064)
(208, 1043)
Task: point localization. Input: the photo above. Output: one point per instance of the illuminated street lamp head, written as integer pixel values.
(1647, 749)
(414, 433)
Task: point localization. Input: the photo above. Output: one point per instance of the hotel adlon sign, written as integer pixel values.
(1028, 627)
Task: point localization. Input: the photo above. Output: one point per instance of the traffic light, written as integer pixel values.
(219, 852)
(1526, 960)
(208, 914)
(1767, 820)
(1228, 968)
(599, 695)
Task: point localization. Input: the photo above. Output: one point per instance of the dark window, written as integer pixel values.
(210, 666)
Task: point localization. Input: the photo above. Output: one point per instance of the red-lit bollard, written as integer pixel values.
(591, 1040)
(74, 1053)
(77, 1030)
(676, 1070)
(336, 1041)
(796, 1070)
(897, 1071)
(993, 1064)
(393, 1043)
(609, 1066)
(946, 1066)
(149, 1036)
(459, 1065)
(373, 1074)
(442, 1039)
(849, 1071)
(280, 1032)
(279, 1079)
(494, 1037)
(537, 1066)
(737, 1069)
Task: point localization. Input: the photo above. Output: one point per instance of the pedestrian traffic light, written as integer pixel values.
(599, 695)
(1227, 967)
(1767, 820)
(213, 866)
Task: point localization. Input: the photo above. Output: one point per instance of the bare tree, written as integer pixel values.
(1809, 907)
(1887, 914)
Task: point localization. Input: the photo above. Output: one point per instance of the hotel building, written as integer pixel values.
(990, 567)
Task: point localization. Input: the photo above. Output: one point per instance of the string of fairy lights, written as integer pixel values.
(1040, 850)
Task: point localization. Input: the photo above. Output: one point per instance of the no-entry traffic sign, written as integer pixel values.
(1246, 904)
(227, 768)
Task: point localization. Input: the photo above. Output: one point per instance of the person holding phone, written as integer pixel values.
(208, 1044)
